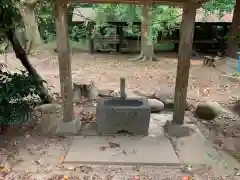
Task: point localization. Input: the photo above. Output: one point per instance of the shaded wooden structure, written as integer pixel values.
(209, 33)
(184, 53)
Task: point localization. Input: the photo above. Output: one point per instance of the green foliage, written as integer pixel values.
(164, 18)
(9, 14)
(219, 6)
(78, 32)
(18, 94)
(46, 20)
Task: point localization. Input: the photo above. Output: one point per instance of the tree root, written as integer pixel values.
(143, 58)
(139, 57)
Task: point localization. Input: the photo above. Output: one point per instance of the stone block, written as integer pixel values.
(116, 114)
(175, 130)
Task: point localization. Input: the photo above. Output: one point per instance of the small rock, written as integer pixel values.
(208, 110)
(105, 93)
(49, 108)
(155, 105)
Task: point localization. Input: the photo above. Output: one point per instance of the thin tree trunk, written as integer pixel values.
(22, 56)
(32, 34)
(235, 30)
(147, 48)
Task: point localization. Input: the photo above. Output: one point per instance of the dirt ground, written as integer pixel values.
(106, 69)
(33, 156)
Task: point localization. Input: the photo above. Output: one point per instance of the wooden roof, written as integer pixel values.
(86, 14)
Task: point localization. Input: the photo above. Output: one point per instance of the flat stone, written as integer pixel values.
(133, 150)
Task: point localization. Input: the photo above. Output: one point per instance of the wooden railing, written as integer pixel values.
(112, 39)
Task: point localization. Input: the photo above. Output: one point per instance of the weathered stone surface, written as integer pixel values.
(138, 150)
(49, 108)
(208, 110)
(175, 130)
(163, 118)
(166, 95)
(155, 105)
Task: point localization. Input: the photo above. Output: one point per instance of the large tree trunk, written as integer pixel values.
(235, 30)
(33, 38)
(147, 45)
(22, 56)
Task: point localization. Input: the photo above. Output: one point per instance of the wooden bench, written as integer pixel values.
(112, 39)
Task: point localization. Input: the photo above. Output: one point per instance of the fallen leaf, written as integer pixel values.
(103, 148)
(136, 178)
(114, 145)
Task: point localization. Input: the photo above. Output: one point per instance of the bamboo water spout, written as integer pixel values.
(123, 94)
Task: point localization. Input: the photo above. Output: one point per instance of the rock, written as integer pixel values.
(208, 110)
(105, 93)
(166, 95)
(87, 90)
(49, 108)
(144, 94)
(156, 105)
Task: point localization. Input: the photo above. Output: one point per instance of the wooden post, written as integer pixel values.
(184, 57)
(120, 34)
(64, 59)
(90, 38)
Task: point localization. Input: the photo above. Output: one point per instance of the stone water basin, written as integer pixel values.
(116, 114)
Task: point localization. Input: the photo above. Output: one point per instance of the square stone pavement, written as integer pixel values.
(133, 150)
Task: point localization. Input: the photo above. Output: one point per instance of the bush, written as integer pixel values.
(18, 95)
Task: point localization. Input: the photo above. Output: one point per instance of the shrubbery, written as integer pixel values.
(18, 95)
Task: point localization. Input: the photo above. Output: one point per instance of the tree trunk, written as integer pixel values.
(147, 45)
(22, 56)
(32, 35)
(235, 30)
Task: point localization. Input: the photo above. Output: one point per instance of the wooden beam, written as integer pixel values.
(168, 2)
(184, 57)
(64, 60)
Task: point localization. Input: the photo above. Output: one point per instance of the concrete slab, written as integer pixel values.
(133, 150)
